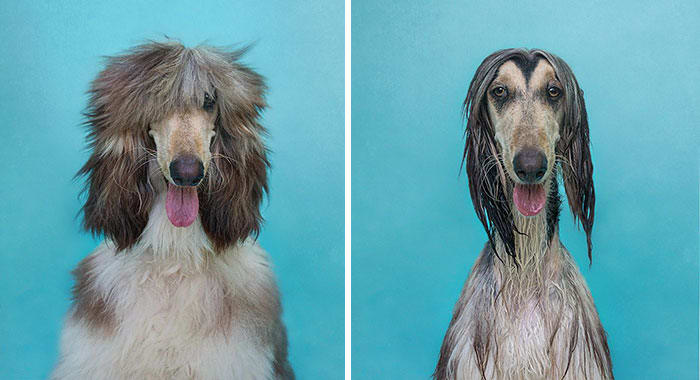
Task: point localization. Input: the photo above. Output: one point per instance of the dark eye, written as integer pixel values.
(499, 91)
(553, 92)
(209, 102)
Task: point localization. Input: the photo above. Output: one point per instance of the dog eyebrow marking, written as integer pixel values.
(542, 75)
(524, 81)
(511, 75)
(512, 78)
(518, 77)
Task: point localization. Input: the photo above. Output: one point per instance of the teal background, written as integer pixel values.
(50, 51)
(415, 234)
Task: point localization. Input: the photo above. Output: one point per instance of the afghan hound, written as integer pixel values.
(525, 311)
(179, 289)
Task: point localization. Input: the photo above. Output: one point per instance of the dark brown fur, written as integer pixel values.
(238, 179)
(88, 303)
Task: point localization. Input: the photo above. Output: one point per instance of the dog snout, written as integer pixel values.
(186, 170)
(530, 164)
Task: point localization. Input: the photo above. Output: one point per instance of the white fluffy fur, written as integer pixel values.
(162, 289)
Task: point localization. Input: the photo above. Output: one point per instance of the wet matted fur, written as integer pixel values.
(525, 311)
(156, 301)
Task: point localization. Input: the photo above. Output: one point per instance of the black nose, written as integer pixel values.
(530, 164)
(186, 170)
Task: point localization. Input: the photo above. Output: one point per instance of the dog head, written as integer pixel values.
(192, 114)
(526, 121)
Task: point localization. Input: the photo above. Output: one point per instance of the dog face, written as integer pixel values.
(526, 122)
(183, 142)
(524, 106)
(187, 117)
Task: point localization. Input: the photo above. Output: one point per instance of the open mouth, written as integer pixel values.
(529, 199)
(181, 205)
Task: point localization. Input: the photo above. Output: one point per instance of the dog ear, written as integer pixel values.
(237, 179)
(577, 167)
(487, 178)
(119, 194)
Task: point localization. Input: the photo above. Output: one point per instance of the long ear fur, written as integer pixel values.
(573, 147)
(487, 178)
(119, 192)
(237, 179)
(124, 99)
(121, 106)
(488, 186)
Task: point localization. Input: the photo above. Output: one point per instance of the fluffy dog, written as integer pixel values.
(178, 168)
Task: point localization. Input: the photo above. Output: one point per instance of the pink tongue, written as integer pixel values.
(529, 199)
(181, 205)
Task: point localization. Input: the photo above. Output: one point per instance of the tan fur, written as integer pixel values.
(527, 121)
(185, 132)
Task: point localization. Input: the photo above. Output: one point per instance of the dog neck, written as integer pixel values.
(162, 241)
(536, 238)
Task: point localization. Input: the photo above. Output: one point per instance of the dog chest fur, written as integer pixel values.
(524, 331)
(211, 320)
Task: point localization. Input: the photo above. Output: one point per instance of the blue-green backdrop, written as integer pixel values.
(415, 234)
(50, 51)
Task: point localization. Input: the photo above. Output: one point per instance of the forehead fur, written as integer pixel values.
(151, 81)
(530, 75)
(489, 68)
